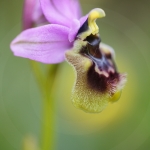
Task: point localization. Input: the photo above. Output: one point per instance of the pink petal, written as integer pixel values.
(46, 44)
(38, 16)
(69, 8)
(61, 11)
(74, 30)
(83, 19)
(75, 26)
(32, 14)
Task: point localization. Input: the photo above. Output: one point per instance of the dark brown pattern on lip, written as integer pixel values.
(100, 82)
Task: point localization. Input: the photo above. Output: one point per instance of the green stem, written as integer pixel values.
(38, 75)
(48, 127)
(46, 84)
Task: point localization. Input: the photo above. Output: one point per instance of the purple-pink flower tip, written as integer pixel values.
(47, 42)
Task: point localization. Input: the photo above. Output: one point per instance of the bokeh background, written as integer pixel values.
(121, 126)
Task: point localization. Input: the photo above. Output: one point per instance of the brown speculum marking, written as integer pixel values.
(99, 82)
(106, 73)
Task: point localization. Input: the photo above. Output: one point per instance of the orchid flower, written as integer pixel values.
(76, 39)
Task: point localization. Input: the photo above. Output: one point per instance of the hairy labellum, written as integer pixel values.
(97, 79)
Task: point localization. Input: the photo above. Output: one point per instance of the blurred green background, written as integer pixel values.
(121, 126)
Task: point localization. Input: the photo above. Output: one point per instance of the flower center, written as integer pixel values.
(88, 32)
(104, 64)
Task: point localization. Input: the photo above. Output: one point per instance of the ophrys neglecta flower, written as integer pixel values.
(76, 38)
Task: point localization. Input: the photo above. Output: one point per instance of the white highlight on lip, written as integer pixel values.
(103, 72)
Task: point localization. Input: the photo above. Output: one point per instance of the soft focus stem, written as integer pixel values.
(48, 127)
(46, 84)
